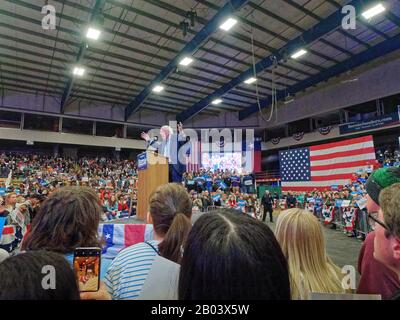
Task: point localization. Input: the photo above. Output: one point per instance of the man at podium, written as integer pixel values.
(169, 147)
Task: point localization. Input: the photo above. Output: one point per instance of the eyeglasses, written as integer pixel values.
(373, 217)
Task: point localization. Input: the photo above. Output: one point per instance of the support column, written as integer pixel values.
(378, 107)
(125, 132)
(286, 130)
(346, 116)
(60, 124)
(56, 149)
(21, 125)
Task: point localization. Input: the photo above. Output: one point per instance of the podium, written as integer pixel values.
(152, 172)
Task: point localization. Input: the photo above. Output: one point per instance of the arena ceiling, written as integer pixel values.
(142, 43)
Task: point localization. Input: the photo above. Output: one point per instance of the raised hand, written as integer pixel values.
(180, 127)
(145, 136)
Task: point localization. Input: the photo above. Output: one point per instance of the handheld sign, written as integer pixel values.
(142, 161)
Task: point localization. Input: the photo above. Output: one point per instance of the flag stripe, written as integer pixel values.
(317, 183)
(341, 143)
(351, 146)
(307, 188)
(342, 154)
(336, 171)
(134, 233)
(332, 177)
(342, 165)
(343, 159)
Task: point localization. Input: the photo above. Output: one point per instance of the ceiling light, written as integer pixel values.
(228, 24)
(372, 12)
(250, 80)
(216, 101)
(78, 71)
(298, 54)
(186, 61)
(288, 99)
(158, 88)
(93, 33)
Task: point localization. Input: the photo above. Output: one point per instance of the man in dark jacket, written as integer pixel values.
(207, 201)
(266, 201)
(291, 201)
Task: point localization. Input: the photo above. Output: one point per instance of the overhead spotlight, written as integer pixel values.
(228, 24)
(250, 80)
(288, 99)
(93, 33)
(192, 15)
(158, 88)
(186, 61)
(298, 54)
(184, 27)
(78, 71)
(372, 12)
(216, 101)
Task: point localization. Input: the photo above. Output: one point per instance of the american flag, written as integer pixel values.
(322, 166)
(193, 159)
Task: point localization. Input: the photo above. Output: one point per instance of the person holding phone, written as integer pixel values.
(68, 219)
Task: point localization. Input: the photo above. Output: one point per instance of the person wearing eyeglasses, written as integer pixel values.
(376, 278)
(387, 231)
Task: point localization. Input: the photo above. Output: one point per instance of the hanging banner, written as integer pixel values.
(382, 121)
(276, 140)
(324, 130)
(298, 136)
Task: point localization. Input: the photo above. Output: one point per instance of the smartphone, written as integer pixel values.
(87, 268)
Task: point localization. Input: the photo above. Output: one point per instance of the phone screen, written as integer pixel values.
(87, 268)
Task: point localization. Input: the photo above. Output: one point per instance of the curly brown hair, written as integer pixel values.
(67, 219)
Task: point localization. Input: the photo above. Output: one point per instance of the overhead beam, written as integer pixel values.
(328, 25)
(189, 49)
(366, 56)
(97, 9)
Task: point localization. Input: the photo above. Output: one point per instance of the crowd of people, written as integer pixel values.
(388, 156)
(222, 254)
(32, 176)
(222, 189)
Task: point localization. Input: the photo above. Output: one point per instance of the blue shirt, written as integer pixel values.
(128, 271)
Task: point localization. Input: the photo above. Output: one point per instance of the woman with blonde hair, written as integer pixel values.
(300, 235)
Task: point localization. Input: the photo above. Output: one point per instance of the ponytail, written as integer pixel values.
(170, 247)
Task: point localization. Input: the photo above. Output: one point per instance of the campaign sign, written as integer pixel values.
(217, 197)
(338, 203)
(345, 203)
(377, 122)
(142, 161)
(362, 203)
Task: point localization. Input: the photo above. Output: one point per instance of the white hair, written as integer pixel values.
(167, 129)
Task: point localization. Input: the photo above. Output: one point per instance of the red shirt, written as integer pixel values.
(376, 278)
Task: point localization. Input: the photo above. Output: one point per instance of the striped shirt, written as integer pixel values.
(128, 271)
